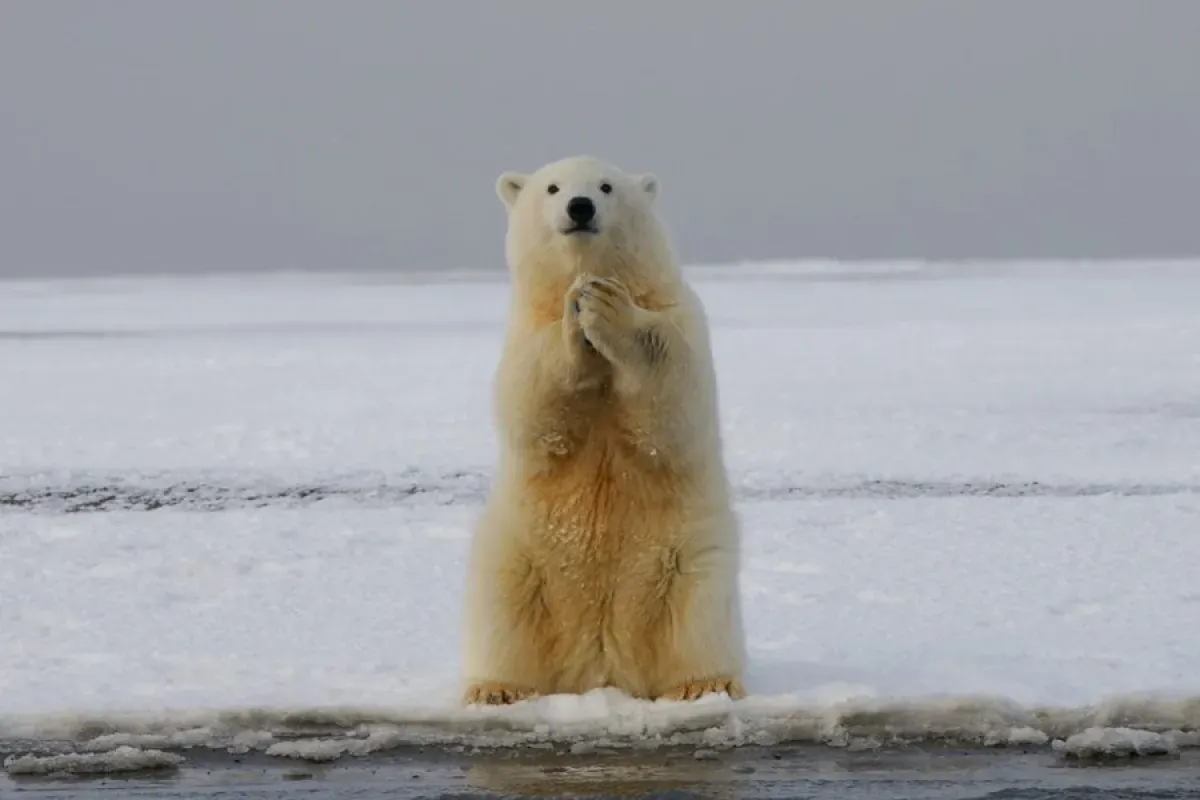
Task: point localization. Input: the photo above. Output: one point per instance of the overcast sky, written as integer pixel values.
(151, 136)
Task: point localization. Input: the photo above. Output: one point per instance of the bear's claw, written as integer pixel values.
(695, 689)
(497, 694)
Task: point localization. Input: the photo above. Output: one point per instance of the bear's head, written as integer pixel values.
(582, 215)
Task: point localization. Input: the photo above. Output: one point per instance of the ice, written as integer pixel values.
(122, 759)
(234, 512)
(1111, 743)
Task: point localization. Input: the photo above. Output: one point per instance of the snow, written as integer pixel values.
(234, 512)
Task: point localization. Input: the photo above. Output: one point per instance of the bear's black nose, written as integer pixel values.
(581, 210)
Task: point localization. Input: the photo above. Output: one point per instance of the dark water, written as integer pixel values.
(745, 774)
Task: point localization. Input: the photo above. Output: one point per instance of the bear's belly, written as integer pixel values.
(606, 533)
(604, 510)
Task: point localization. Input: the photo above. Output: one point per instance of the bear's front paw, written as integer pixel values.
(695, 689)
(603, 308)
(572, 330)
(495, 693)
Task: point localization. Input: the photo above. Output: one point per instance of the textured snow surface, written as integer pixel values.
(234, 513)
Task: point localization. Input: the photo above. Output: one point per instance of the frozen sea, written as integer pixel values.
(234, 514)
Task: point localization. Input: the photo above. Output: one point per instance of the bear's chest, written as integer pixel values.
(596, 433)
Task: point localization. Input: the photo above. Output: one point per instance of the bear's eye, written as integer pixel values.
(552, 188)
(606, 188)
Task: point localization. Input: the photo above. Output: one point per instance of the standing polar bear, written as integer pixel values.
(608, 552)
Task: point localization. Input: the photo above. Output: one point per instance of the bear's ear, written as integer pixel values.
(648, 183)
(509, 185)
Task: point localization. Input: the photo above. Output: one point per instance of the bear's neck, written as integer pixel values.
(542, 286)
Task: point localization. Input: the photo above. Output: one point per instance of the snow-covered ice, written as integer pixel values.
(234, 512)
(120, 759)
(1104, 743)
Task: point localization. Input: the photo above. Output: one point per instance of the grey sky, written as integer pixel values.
(148, 136)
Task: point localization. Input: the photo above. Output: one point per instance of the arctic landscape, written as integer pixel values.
(234, 513)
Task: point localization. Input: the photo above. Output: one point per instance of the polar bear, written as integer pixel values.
(607, 554)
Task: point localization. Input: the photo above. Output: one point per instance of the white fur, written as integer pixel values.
(608, 552)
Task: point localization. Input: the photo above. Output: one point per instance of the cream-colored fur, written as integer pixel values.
(608, 552)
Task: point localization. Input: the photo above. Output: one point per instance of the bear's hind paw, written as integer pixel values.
(695, 689)
(494, 693)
